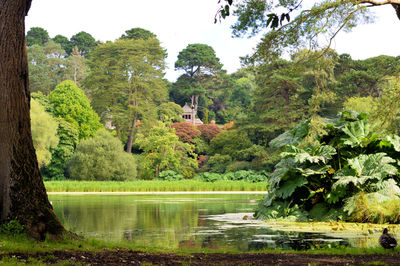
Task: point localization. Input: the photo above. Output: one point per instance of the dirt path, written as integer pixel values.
(126, 257)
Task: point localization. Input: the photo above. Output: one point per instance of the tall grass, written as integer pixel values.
(367, 209)
(152, 186)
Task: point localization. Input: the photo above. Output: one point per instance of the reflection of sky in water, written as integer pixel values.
(186, 221)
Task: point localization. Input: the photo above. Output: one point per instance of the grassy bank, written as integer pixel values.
(152, 186)
(20, 250)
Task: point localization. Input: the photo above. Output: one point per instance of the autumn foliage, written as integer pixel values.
(209, 131)
(186, 132)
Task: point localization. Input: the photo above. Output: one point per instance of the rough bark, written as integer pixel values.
(23, 196)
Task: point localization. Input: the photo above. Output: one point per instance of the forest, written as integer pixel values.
(104, 111)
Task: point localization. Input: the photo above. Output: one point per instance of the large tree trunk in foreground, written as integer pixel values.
(23, 196)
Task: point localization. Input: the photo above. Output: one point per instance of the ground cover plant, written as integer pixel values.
(334, 170)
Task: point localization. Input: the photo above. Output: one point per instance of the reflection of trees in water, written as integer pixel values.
(144, 220)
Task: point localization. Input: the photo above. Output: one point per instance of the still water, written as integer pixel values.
(212, 221)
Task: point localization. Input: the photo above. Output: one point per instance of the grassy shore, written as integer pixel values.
(152, 186)
(21, 250)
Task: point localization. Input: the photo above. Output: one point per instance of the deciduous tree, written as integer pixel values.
(70, 103)
(23, 196)
(164, 151)
(44, 132)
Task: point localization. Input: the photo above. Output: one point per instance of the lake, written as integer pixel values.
(195, 221)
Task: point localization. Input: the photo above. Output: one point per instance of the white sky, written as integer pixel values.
(178, 23)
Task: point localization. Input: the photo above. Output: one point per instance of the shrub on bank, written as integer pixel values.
(102, 158)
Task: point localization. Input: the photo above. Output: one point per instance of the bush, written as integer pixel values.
(209, 131)
(248, 176)
(11, 228)
(61, 154)
(102, 158)
(208, 177)
(169, 175)
(218, 163)
(186, 132)
(230, 143)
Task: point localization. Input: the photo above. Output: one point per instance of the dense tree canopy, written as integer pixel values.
(137, 33)
(126, 82)
(37, 36)
(198, 59)
(84, 41)
(70, 103)
(64, 42)
(46, 66)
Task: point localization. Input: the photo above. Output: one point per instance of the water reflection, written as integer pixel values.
(182, 221)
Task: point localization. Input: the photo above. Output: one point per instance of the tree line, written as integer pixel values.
(123, 82)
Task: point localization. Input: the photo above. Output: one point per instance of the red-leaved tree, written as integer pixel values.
(186, 132)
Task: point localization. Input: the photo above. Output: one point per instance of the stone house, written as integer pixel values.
(189, 114)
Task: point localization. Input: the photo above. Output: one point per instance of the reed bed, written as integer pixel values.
(152, 186)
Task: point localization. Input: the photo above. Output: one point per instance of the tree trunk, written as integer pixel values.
(130, 137)
(23, 196)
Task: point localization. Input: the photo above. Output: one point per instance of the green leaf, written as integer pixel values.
(364, 169)
(357, 134)
(394, 140)
(291, 137)
(314, 170)
(322, 154)
(378, 164)
(290, 186)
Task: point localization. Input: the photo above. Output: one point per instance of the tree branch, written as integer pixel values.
(379, 3)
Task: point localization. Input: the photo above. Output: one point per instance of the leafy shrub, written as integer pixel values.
(238, 166)
(218, 163)
(202, 160)
(345, 159)
(200, 146)
(63, 152)
(229, 143)
(208, 177)
(164, 151)
(186, 132)
(11, 228)
(209, 131)
(248, 176)
(102, 158)
(169, 175)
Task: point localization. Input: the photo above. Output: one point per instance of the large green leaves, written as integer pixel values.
(292, 137)
(290, 186)
(365, 169)
(312, 154)
(357, 134)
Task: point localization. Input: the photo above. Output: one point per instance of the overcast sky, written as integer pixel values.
(178, 23)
